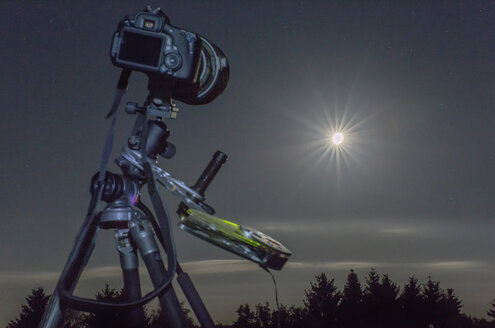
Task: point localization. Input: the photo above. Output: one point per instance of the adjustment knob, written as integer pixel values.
(169, 151)
(131, 108)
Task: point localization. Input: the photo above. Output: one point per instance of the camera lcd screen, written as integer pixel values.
(140, 48)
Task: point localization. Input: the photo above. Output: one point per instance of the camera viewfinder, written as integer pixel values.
(149, 24)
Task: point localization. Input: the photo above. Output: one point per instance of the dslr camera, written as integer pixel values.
(192, 69)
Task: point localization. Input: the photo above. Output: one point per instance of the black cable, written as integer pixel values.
(107, 149)
(276, 294)
(160, 209)
(184, 280)
(90, 305)
(147, 212)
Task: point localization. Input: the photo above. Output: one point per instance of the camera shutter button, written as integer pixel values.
(173, 61)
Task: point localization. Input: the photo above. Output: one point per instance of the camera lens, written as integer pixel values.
(173, 61)
(213, 76)
(214, 72)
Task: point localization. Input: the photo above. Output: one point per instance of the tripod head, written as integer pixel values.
(158, 132)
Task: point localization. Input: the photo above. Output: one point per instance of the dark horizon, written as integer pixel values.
(375, 302)
(411, 192)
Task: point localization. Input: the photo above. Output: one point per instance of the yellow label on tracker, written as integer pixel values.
(243, 241)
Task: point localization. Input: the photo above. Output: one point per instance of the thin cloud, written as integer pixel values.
(371, 226)
(347, 226)
(219, 266)
(231, 266)
(107, 272)
(13, 277)
(454, 265)
(331, 265)
(399, 231)
(88, 274)
(435, 265)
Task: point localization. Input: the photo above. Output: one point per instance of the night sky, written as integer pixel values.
(411, 191)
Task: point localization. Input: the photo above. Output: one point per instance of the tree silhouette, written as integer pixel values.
(350, 307)
(390, 307)
(292, 317)
(377, 305)
(412, 304)
(432, 295)
(264, 318)
(107, 318)
(246, 317)
(72, 319)
(158, 319)
(32, 312)
(222, 325)
(370, 298)
(477, 323)
(451, 309)
(321, 303)
(491, 312)
(381, 308)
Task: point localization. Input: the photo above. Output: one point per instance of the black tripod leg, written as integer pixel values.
(194, 300)
(132, 286)
(79, 256)
(53, 315)
(142, 236)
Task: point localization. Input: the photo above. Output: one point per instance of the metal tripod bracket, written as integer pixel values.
(157, 107)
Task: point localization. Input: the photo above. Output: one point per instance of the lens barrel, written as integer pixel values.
(212, 77)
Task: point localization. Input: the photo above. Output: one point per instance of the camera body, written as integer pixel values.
(147, 42)
(180, 64)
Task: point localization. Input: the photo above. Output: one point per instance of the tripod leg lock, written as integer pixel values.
(128, 258)
(143, 236)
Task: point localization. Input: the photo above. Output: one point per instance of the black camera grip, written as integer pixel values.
(209, 173)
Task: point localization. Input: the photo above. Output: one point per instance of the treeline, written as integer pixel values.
(380, 303)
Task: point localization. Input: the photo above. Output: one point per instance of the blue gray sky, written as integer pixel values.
(411, 193)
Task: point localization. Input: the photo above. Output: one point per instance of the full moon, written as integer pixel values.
(338, 138)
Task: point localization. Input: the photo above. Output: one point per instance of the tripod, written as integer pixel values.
(134, 224)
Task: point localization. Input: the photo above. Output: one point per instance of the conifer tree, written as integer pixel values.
(389, 306)
(371, 303)
(412, 304)
(450, 309)
(159, 320)
(321, 303)
(108, 318)
(432, 296)
(31, 313)
(372, 283)
(352, 294)
(388, 290)
(292, 317)
(491, 312)
(350, 306)
(264, 316)
(452, 302)
(380, 306)
(245, 317)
